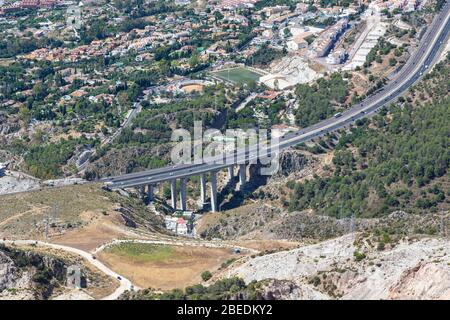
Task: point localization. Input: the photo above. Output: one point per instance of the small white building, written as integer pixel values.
(336, 57)
(297, 43)
(182, 227)
(177, 225)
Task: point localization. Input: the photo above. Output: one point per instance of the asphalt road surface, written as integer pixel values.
(416, 66)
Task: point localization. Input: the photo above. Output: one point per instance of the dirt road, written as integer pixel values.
(125, 284)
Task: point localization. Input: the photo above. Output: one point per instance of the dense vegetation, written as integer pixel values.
(270, 3)
(382, 48)
(224, 289)
(318, 101)
(397, 160)
(46, 160)
(264, 56)
(154, 124)
(12, 46)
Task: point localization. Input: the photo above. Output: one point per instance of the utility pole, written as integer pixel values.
(443, 233)
(46, 220)
(49, 218)
(55, 213)
(352, 223)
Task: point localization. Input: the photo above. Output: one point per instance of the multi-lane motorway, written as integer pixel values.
(420, 61)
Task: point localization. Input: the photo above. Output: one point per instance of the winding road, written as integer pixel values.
(125, 284)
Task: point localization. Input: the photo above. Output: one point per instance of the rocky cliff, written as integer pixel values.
(354, 267)
(29, 275)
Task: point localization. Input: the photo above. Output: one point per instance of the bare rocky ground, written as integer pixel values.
(15, 181)
(32, 273)
(353, 267)
(21, 275)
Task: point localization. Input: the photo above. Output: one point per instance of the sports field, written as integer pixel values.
(237, 75)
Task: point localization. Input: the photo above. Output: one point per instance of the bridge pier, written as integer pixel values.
(230, 173)
(183, 194)
(214, 207)
(141, 192)
(150, 195)
(203, 189)
(173, 193)
(242, 175)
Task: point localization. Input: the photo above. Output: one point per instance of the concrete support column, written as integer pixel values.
(183, 194)
(230, 173)
(150, 192)
(203, 189)
(214, 207)
(242, 174)
(142, 192)
(173, 193)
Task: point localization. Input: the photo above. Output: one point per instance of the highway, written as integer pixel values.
(419, 63)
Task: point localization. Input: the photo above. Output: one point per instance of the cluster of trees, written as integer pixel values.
(130, 24)
(139, 8)
(382, 48)
(158, 120)
(223, 289)
(400, 162)
(157, 132)
(318, 101)
(270, 3)
(12, 80)
(243, 119)
(45, 161)
(264, 56)
(332, 3)
(13, 46)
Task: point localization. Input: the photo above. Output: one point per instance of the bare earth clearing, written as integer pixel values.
(164, 267)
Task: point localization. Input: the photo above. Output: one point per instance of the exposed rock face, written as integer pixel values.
(29, 275)
(292, 161)
(7, 270)
(412, 269)
(288, 290)
(121, 161)
(412, 285)
(8, 127)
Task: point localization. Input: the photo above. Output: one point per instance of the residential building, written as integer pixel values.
(326, 40)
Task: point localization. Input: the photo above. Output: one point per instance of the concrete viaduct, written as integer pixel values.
(425, 55)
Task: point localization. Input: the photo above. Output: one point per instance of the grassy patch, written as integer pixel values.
(143, 252)
(238, 75)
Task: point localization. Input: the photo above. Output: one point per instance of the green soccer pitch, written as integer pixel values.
(237, 75)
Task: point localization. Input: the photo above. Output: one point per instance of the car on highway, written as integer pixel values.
(337, 115)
